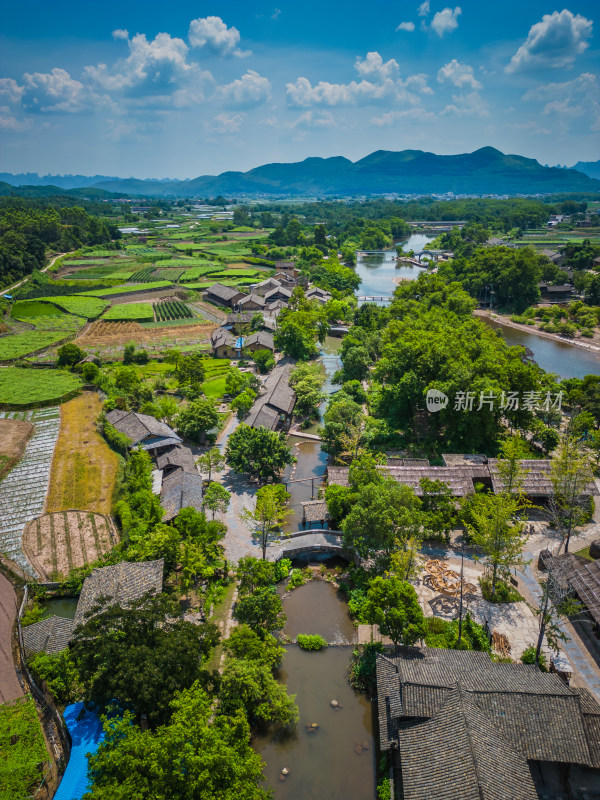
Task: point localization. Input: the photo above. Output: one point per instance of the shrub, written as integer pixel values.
(117, 440)
(505, 593)
(34, 613)
(364, 666)
(528, 657)
(297, 578)
(311, 641)
(60, 674)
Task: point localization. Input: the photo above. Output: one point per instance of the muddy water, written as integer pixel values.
(311, 459)
(317, 607)
(61, 607)
(337, 760)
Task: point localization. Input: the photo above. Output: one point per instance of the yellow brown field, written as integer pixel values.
(56, 543)
(84, 467)
(121, 333)
(14, 434)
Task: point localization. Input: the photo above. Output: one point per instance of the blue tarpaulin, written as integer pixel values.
(239, 343)
(86, 732)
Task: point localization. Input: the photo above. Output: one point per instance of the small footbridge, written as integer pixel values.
(318, 541)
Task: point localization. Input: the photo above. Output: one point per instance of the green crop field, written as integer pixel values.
(190, 245)
(27, 310)
(194, 273)
(121, 275)
(46, 317)
(80, 304)
(184, 261)
(125, 289)
(139, 250)
(168, 274)
(22, 344)
(99, 252)
(166, 310)
(241, 273)
(139, 312)
(28, 386)
(84, 262)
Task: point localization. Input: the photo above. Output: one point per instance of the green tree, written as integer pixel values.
(69, 355)
(439, 506)
(243, 403)
(307, 380)
(216, 499)
(140, 656)
(244, 643)
(498, 533)
(571, 479)
(258, 452)
(197, 419)
(126, 378)
(269, 513)
(90, 372)
(250, 685)
(211, 461)
(264, 361)
(392, 604)
(383, 515)
(262, 611)
(190, 369)
(196, 756)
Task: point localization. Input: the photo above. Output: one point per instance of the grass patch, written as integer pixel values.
(214, 389)
(505, 593)
(24, 387)
(84, 467)
(12, 347)
(125, 289)
(24, 756)
(585, 553)
(27, 310)
(81, 305)
(142, 312)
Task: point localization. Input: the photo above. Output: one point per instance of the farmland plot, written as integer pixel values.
(12, 347)
(81, 306)
(61, 541)
(23, 491)
(138, 312)
(27, 387)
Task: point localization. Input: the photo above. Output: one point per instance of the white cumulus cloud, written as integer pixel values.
(575, 98)
(460, 75)
(52, 91)
(374, 67)
(446, 20)
(467, 105)
(314, 119)
(120, 33)
(213, 35)
(249, 91)
(226, 123)
(554, 42)
(423, 9)
(406, 26)
(156, 72)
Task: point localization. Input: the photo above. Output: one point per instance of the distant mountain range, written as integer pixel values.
(590, 168)
(485, 171)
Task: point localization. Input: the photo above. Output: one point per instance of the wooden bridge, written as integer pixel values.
(371, 298)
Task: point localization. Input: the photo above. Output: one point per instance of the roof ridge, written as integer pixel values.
(462, 712)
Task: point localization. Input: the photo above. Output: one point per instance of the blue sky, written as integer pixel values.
(182, 89)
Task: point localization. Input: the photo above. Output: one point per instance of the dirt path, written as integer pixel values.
(10, 688)
(508, 323)
(26, 278)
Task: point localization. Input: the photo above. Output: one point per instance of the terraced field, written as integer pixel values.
(137, 312)
(82, 305)
(23, 491)
(125, 289)
(25, 387)
(22, 344)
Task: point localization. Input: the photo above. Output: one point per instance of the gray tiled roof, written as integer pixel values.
(460, 755)
(260, 338)
(50, 635)
(280, 293)
(257, 299)
(177, 456)
(221, 336)
(266, 286)
(536, 480)
(277, 397)
(537, 713)
(122, 583)
(224, 293)
(138, 427)
(179, 490)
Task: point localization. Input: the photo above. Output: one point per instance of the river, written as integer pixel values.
(565, 360)
(337, 759)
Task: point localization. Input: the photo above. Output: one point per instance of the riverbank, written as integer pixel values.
(531, 329)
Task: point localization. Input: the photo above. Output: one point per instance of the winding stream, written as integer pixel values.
(336, 760)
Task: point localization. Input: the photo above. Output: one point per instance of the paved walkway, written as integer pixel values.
(10, 688)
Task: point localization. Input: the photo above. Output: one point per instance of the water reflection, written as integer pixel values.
(566, 360)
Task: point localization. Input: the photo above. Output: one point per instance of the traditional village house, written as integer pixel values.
(223, 295)
(143, 430)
